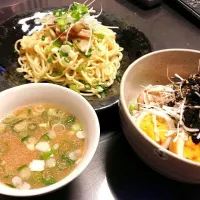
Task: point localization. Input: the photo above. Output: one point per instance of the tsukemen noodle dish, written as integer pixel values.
(39, 145)
(72, 49)
(170, 115)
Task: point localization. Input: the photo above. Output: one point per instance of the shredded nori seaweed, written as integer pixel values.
(191, 90)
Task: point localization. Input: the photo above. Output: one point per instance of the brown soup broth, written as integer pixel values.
(39, 145)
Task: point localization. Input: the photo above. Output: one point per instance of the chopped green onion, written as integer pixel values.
(118, 76)
(88, 54)
(46, 137)
(61, 22)
(66, 60)
(70, 119)
(59, 73)
(76, 15)
(32, 126)
(49, 60)
(74, 87)
(25, 138)
(47, 154)
(58, 12)
(78, 10)
(14, 124)
(101, 36)
(82, 81)
(22, 167)
(68, 161)
(105, 89)
(78, 40)
(10, 185)
(87, 86)
(62, 29)
(95, 82)
(49, 181)
(103, 94)
(132, 107)
(99, 49)
(57, 43)
(99, 88)
(69, 43)
(43, 38)
(76, 127)
(63, 54)
(29, 111)
(80, 68)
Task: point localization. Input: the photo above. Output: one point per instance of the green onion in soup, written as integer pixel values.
(54, 138)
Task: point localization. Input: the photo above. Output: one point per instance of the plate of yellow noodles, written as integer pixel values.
(75, 47)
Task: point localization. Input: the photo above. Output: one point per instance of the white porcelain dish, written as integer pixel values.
(152, 69)
(73, 102)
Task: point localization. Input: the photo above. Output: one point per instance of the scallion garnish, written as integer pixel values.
(59, 73)
(49, 60)
(46, 137)
(57, 43)
(132, 107)
(58, 12)
(77, 11)
(118, 76)
(74, 87)
(68, 161)
(29, 111)
(47, 154)
(80, 68)
(88, 54)
(25, 138)
(49, 181)
(43, 38)
(61, 22)
(66, 60)
(63, 54)
(22, 167)
(69, 43)
(62, 29)
(14, 124)
(100, 36)
(87, 86)
(10, 185)
(70, 119)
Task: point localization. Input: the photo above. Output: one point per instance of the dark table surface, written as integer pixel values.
(116, 172)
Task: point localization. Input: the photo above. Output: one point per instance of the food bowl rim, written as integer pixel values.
(126, 110)
(81, 167)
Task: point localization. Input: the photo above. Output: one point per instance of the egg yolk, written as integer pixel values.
(191, 150)
(147, 125)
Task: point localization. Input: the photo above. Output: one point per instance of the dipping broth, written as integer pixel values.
(39, 145)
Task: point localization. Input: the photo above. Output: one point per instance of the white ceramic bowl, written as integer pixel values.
(152, 69)
(73, 102)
